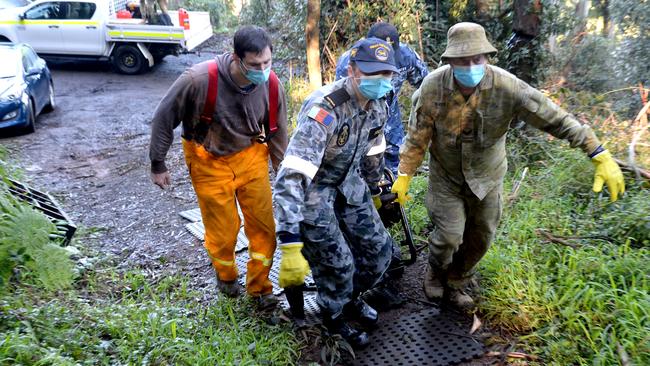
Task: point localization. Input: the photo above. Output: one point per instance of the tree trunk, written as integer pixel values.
(313, 49)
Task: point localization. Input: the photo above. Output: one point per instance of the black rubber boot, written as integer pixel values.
(336, 325)
(384, 296)
(358, 310)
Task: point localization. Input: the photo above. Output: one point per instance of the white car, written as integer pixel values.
(90, 30)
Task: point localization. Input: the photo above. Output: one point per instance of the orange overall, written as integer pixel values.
(221, 181)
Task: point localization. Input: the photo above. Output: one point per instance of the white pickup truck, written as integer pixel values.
(89, 29)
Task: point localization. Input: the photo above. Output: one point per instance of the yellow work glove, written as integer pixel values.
(376, 200)
(293, 267)
(607, 171)
(401, 186)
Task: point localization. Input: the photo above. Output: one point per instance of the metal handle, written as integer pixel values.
(91, 27)
(53, 26)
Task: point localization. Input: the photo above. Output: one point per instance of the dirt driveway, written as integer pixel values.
(91, 153)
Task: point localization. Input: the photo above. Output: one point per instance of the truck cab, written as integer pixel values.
(89, 29)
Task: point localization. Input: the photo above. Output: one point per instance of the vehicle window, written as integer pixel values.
(30, 54)
(79, 10)
(27, 62)
(44, 11)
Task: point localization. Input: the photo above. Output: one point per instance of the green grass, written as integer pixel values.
(571, 306)
(118, 319)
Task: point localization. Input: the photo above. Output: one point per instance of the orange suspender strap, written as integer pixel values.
(211, 98)
(274, 85)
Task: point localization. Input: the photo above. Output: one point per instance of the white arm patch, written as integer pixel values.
(378, 149)
(301, 165)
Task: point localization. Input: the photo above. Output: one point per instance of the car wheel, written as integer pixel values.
(31, 118)
(51, 104)
(128, 59)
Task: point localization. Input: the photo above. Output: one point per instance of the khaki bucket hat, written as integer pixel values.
(467, 39)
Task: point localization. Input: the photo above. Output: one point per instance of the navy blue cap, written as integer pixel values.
(373, 55)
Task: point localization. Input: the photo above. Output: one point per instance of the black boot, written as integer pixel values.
(384, 296)
(358, 310)
(336, 325)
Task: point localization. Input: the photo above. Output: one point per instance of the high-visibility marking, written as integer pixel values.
(261, 257)
(222, 262)
(301, 165)
(378, 149)
(145, 34)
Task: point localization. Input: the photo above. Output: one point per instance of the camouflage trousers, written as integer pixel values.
(347, 253)
(464, 228)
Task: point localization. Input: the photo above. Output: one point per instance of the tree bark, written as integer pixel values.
(313, 49)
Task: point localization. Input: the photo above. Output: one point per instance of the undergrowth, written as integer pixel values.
(583, 299)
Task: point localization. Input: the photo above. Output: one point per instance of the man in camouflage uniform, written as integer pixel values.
(410, 67)
(461, 113)
(323, 191)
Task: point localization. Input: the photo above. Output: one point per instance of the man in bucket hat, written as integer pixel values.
(461, 113)
(324, 205)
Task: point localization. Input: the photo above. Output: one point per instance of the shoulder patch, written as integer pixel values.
(337, 97)
(320, 115)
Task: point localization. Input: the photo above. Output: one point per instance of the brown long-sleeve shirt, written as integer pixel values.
(238, 118)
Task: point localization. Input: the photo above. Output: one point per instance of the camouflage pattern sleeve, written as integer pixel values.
(417, 69)
(420, 130)
(542, 113)
(342, 66)
(301, 163)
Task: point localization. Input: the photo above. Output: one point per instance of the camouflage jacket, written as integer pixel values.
(333, 149)
(411, 68)
(466, 138)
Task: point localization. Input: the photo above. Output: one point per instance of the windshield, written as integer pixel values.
(8, 63)
(12, 3)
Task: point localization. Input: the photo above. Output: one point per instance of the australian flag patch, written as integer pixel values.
(320, 115)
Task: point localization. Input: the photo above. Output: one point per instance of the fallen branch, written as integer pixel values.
(553, 239)
(641, 122)
(519, 355)
(624, 166)
(622, 355)
(515, 188)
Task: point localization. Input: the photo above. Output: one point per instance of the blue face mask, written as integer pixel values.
(375, 87)
(469, 76)
(256, 77)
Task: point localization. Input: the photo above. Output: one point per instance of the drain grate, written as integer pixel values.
(427, 338)
(196, 228)
(43, 202)
(192, 215)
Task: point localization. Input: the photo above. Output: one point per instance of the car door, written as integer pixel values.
(40, 28)
(81, 34)
(37, 83)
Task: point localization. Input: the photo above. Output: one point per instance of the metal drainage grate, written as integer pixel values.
(43, 202)
(196, 228)
(192, 215)
(427, 337)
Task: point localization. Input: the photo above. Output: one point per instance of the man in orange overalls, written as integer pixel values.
(228, 157)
